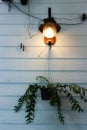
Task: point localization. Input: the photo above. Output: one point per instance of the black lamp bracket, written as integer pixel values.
(50, 18)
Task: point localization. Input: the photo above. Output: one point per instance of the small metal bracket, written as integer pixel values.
(22, 46)
(84, 17)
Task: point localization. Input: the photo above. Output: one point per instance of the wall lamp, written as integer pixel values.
(49, 29)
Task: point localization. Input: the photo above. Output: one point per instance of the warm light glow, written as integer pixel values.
(49, 30)
(50, 41)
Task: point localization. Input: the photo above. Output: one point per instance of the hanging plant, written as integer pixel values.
(53, 92)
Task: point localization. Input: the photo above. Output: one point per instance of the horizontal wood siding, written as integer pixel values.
(67, 62)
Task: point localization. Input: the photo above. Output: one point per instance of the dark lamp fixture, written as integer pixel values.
(24, 2)
(49, 29)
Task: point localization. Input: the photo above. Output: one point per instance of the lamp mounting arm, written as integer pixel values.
(49, 13)
(50, 18)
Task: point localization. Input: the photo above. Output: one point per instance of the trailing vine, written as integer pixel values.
(29, 98)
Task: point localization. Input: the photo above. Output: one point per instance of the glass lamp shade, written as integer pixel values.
(50, 41)
(49, 30)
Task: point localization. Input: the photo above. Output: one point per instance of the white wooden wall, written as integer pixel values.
(68, 63)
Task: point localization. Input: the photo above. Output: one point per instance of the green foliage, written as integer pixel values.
(29, 98)
(56, 102)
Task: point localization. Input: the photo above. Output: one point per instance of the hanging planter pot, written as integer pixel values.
(45, 93)
(24, 2)
(50, 92)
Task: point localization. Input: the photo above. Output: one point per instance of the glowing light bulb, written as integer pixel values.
(49, 30)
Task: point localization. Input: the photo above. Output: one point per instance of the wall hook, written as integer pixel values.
(22, 46)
